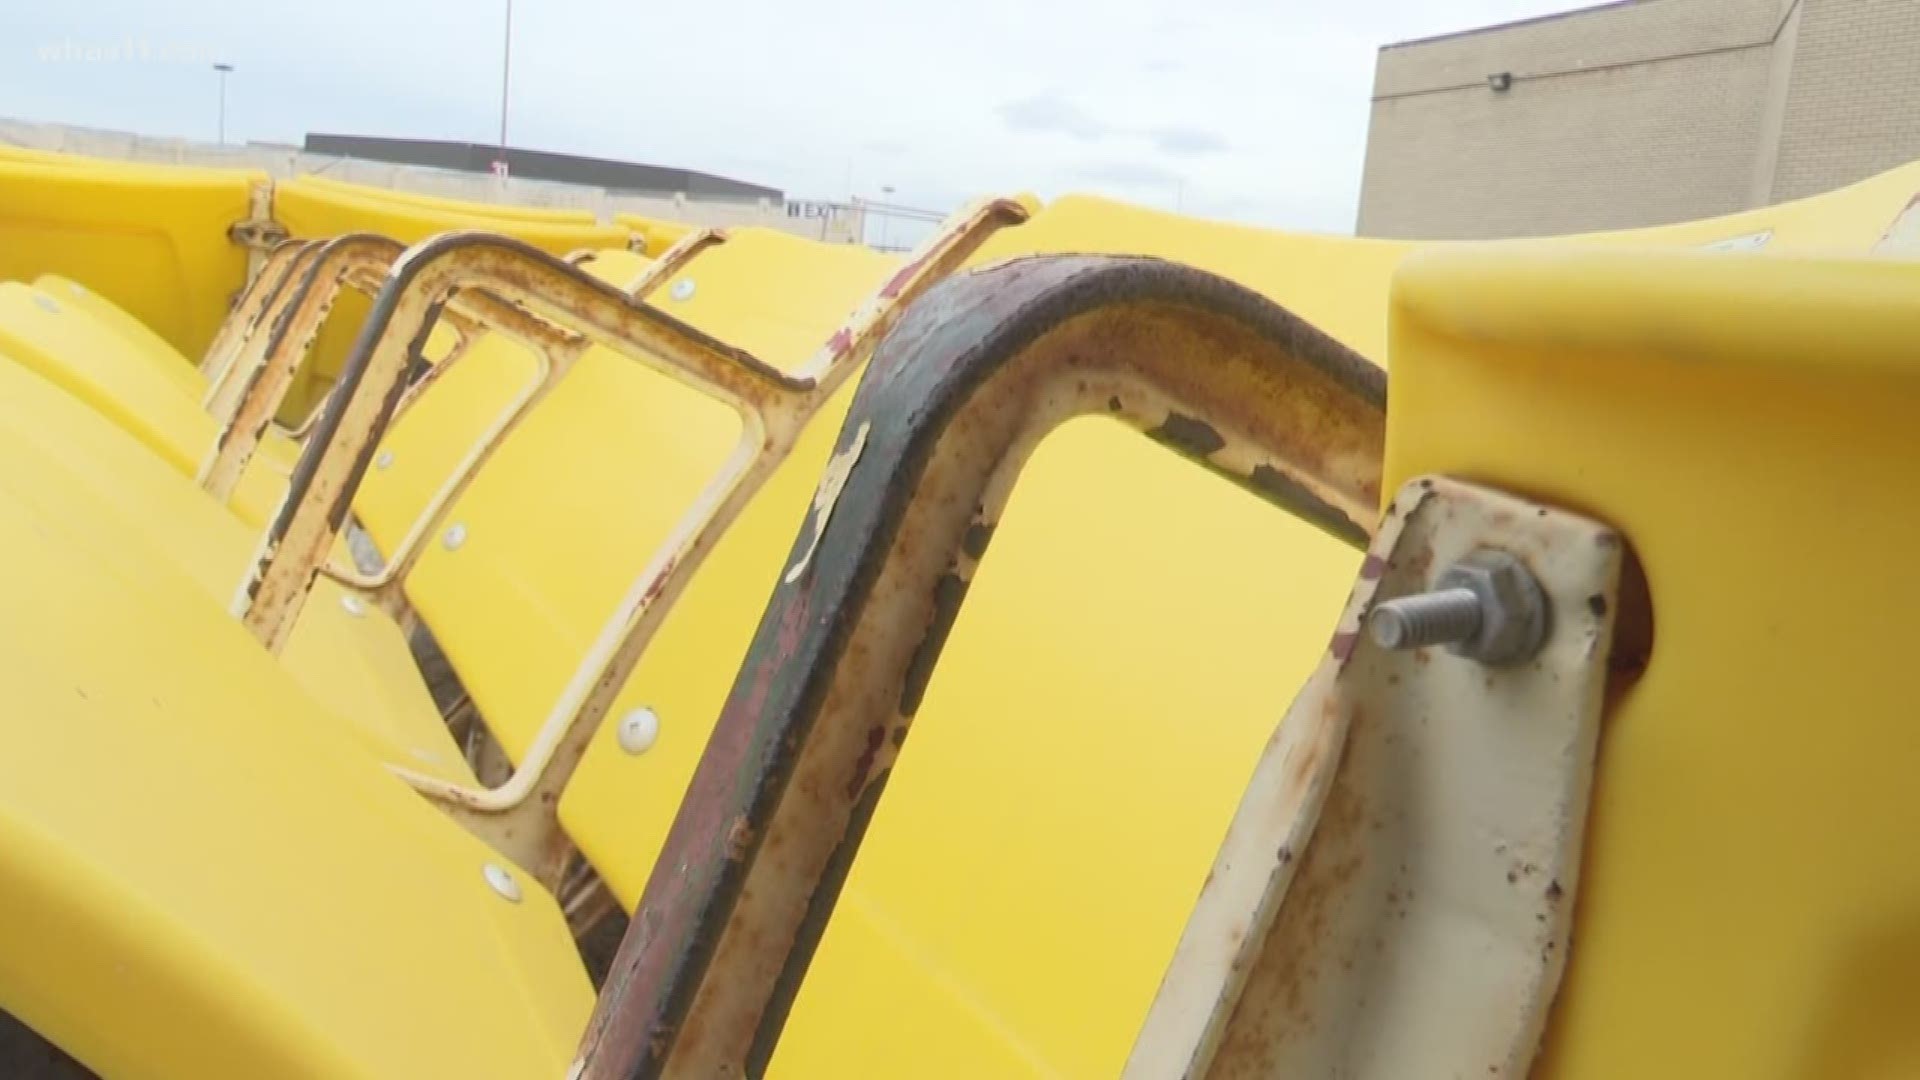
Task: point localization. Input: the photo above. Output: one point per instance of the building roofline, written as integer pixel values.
(1509, 25)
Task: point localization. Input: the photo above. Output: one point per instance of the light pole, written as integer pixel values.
(506, 69)
(884, 219)
(224, 70)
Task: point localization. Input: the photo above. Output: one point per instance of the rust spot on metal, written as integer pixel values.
(1281, 489)
(1188, 434)
(948, 594)
(739, 839)
(1113, 404)
(975, 541)
(1597, 604)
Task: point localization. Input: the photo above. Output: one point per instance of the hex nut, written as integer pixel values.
(1513, 609)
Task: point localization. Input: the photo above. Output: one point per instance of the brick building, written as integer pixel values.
(1637, 113)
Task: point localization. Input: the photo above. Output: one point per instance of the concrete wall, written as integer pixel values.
(834, 223)
(1638, 113)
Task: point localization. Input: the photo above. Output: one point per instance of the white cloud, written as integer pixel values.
(1253, 109)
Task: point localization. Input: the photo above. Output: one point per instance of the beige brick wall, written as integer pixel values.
(1627, 114)
(1608, 34)
(1639, 113)
(1853, 98)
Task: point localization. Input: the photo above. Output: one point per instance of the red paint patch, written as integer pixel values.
(875, 736)
(1373, 567)
(1343, 643)
(898, 283)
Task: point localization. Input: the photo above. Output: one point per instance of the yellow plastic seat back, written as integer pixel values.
(440, 424)
(166, 359)
(348, 655)
(152, 239)
(101, 368)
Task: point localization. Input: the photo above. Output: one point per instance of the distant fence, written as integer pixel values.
(881, 225)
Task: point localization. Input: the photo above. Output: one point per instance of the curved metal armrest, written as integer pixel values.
(974, 376)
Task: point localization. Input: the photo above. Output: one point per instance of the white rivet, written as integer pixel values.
(455, 536)
(76, 288)
(682, 289)
(47, 303)
(353, 605)
(638, 730)
(502, 882)
(383, 460)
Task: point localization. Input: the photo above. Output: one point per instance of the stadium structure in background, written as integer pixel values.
(1635, 113)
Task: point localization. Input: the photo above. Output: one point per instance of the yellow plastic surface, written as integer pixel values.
(1746, 909)
(356, 664)
(100, 367)
(655, 234)
(539, 215)
(179, 369)
(152, 239)
(201, 875)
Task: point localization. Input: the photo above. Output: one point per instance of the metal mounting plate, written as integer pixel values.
(1395, 894)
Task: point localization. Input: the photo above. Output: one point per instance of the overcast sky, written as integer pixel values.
(1253, 110)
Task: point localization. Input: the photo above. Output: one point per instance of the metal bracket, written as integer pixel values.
(258, 232)
(1395, 894)
(975, 375)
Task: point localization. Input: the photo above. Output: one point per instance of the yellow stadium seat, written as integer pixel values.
(102, 368)
(347, 655)
(192, 845)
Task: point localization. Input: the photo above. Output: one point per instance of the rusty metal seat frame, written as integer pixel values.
(976, 374)
(555, 350)
(1484, 806)
(256, 379)
(518, 816)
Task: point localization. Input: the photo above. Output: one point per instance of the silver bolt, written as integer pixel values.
(638, 730)
(1486, 607)
(682, 289)
(454, 537)
(1423, 619)
(502, 882)
(383, 460)
(353, 605)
